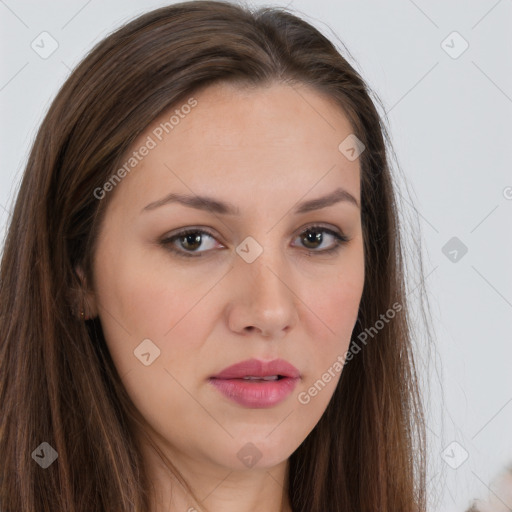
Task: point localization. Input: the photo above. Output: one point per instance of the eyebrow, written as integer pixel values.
(223, 208)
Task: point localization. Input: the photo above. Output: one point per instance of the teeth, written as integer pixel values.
(269, 377)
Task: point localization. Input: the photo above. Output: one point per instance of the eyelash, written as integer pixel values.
(339, 240)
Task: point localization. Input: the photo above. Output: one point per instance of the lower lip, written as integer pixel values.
(256, 394)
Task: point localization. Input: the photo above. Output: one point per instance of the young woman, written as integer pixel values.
(202, 301)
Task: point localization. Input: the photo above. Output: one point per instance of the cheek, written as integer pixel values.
(337, 306)
(336, 302)
(143, 293)
(332, 313)
(145, 296)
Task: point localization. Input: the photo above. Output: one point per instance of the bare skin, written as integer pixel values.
(264, 150)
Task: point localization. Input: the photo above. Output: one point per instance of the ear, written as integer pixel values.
(85, 299)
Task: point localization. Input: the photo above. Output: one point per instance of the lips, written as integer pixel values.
(259, 369)
(257, 384)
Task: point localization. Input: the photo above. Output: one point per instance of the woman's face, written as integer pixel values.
(256, 284)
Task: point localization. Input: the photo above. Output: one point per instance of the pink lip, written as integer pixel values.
(257, 368)
(257, 394)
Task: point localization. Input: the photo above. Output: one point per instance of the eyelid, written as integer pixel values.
(167, 241)
(338, 234)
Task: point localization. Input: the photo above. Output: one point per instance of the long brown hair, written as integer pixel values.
(58, 383)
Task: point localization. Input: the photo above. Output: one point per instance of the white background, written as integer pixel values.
(450, 123)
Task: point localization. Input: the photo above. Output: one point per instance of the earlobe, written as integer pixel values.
(85, 298)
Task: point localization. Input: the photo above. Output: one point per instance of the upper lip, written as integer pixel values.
(258, 368)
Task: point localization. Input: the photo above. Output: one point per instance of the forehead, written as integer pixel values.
(243, 142)
(246, 116)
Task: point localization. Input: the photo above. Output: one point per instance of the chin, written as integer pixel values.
(255, 453)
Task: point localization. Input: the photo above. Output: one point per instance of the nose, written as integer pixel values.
(263, 300)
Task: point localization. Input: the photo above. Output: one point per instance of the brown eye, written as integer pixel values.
(186, 243)
(313, 238)
(191, 241)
